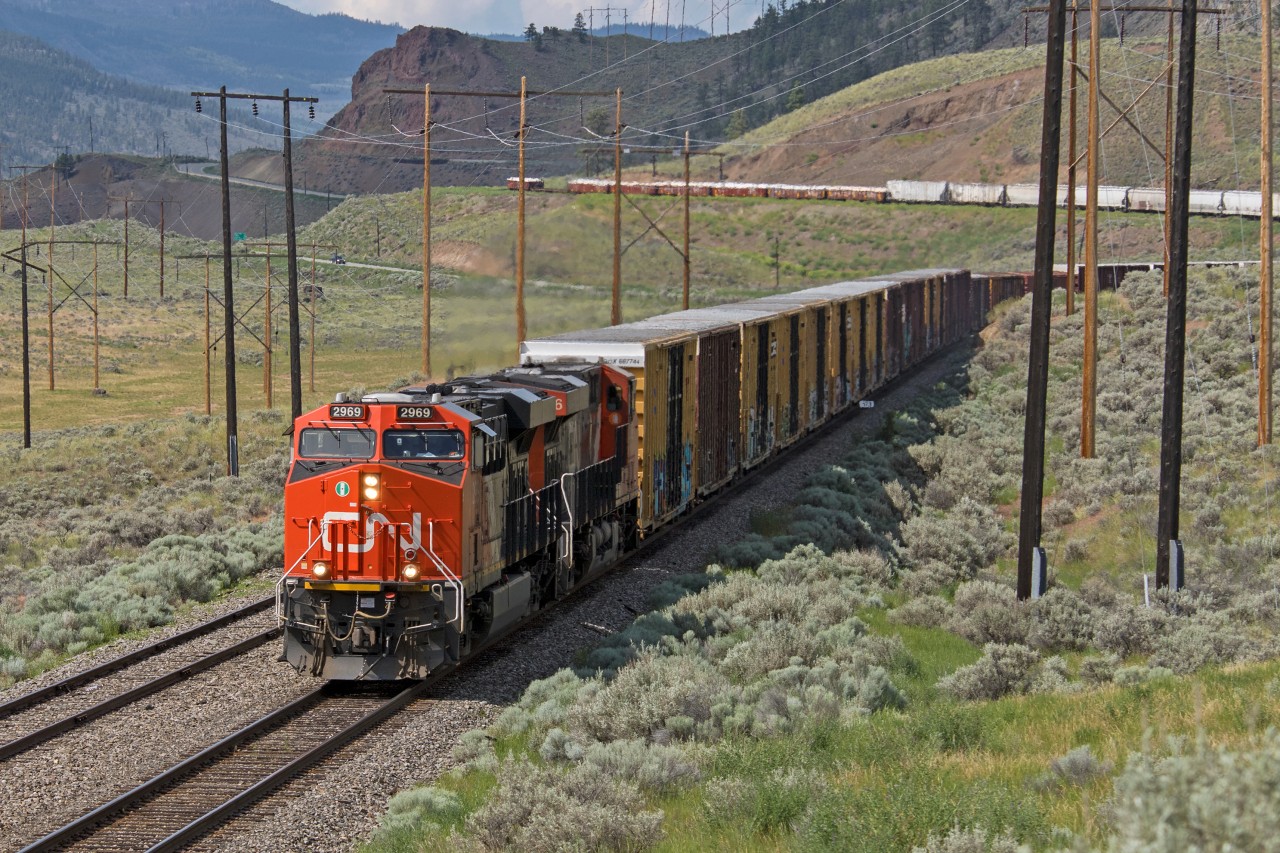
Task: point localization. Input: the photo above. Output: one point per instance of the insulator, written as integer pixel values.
(255, 108)
(199, 106)
(311, 111)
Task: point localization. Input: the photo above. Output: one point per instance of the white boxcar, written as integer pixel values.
(975, 193)
(918, 191)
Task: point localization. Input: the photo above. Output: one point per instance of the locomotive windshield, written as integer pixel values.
(336, 443)
(422, 444)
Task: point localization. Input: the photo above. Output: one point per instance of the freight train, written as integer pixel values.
(1244, 203)
(421, 524)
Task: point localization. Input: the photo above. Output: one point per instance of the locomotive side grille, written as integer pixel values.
(531, 522)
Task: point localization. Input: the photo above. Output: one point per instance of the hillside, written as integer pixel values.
(253, 45)
(977, 117)
(53, 103)
(373, 143)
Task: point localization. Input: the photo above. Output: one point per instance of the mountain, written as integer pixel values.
(190, 45)
(712, 87)
(53, 103)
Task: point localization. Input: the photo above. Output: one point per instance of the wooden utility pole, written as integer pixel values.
(1030, 555)
(53, 187)
(1168, 150)
(311, 339)
(1071, 163)
(266, 335)
(426, 230)
(1267, 238)
(162, 248)
(1089, 399)
(520, 133)
(208, 384)
(615, 314)
(685, 253)
(96, 386)
(1176, 325)
(26, 321)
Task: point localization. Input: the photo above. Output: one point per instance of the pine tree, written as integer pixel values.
(580, 27)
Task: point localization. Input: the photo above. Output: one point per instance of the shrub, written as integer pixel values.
(987, 612)
(975, 840)
(1207, 799)
(1002, 669)
(540, 809)
(1060, 620)
(1079, 767)
(925, 611)
(652, 767)
(645, 694)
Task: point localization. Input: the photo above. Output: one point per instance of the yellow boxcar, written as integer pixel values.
(663, 360)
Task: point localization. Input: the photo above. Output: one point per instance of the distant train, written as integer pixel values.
(1149, 199)
(421, 524)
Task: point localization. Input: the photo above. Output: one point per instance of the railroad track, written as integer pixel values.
(196, 796)
(63, 706)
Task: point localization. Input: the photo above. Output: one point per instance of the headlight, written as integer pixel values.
(410, 572)
(371, 487)
(320, 570)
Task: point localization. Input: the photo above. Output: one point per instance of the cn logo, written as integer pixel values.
(374, 522)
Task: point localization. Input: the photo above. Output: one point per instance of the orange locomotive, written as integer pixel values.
(421, 523)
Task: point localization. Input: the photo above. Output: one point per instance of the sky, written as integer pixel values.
(512, 16)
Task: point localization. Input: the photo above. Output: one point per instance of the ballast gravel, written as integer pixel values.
(337, 804)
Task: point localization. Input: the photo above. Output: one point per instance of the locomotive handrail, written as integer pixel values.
(568, 526)
(280, 617)
(459, 614)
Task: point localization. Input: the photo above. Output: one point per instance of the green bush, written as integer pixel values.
(1201, 799)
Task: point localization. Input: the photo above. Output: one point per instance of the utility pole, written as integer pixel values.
(208, 375)
(266, 335)
(26, 327)
(233, 449)
(1089, 401)
(1267, 238)
(53, 209)
(426, 221)
(524, 126)
(685, 253)
(615, 315)
(162, 201)
(1167, 547)
(96, 385)
(1071, 163)
(1031, 567)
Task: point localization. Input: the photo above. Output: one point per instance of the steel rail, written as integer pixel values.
(87, 822)
(219, 814)
(66, 685)
(39, 736)
(215, 817)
